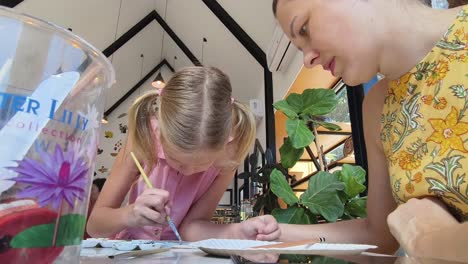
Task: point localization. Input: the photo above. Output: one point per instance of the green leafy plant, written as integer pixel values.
(329, 196)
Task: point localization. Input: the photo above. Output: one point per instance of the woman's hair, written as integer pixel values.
(274, 5)
(195, 112)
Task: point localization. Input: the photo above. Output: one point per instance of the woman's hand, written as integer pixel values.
(262, 227)
(150, 208)
(413, 221)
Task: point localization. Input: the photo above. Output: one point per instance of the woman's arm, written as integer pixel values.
(425, 228)
(380, 203)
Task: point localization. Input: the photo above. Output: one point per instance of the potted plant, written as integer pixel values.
(329, 196)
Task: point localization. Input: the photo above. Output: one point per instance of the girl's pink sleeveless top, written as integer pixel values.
(184, 192)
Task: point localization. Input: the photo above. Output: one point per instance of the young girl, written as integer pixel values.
(415, 120)
(191, 145)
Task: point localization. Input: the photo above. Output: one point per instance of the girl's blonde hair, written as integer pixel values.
(195, 112)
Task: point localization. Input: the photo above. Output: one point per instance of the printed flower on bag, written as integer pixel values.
(448, 132)
(400, 87)
(453, 57)
(427, 99)
(409, 187)
(438, 73)
(408, 161)
(461, 35)
(58, 177)
(418, 177)
(441, 103)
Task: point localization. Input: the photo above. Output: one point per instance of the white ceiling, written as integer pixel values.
(102, 22)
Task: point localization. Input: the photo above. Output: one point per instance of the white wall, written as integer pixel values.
(282, 81)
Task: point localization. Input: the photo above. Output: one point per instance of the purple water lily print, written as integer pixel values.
(59, 177)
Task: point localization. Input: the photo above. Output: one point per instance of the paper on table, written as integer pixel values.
(225, 247)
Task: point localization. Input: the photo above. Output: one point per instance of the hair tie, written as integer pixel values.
(159, 91)
(232, 100)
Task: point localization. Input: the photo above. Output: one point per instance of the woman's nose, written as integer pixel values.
(310, 58)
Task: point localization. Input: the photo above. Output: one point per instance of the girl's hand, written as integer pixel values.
(149, 209)
(262, 227)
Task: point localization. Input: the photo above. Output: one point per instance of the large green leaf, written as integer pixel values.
(321, 196)
(281, 188)
(312, 219)
(271, 202)
(284, 107)
(289, 155)
(356, 171)
(299, 134)
(354, 178)
(329, 126)
(319, 101)
(291, 215)
(356, 207)
(70, 232)
(296, 102)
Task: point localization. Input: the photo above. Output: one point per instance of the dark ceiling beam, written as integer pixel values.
(132, 32)
(10, 3)
(129, 35)
(138, 85)
(176, 39)
(141, 25)
(260, 56)
(237, 31)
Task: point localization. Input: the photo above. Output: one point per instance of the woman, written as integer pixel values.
(416, 128)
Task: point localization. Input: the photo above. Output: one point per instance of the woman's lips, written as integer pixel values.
(330, 66)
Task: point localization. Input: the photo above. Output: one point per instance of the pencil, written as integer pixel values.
(139, 253)
(148, 183)
(142, 172)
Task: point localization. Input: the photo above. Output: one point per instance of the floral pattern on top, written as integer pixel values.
(424, 125)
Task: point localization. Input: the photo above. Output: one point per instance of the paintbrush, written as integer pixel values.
(149, 185)
(139, 253)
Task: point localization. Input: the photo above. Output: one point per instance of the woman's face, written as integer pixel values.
(337, 34)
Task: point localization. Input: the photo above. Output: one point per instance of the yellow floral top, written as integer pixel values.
(425, 124)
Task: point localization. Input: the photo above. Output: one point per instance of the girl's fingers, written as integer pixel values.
(153, 216)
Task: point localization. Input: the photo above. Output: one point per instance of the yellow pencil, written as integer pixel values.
(142, 172)
(148, 183)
